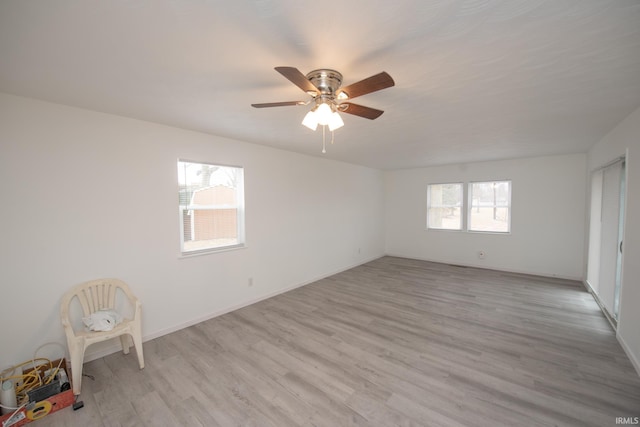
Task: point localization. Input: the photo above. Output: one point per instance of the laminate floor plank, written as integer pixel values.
(393, 342)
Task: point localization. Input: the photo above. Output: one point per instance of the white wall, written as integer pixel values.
(88, 195)
(625, 139)
(547, 228)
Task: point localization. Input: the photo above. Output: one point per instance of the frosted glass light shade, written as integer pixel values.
(323, 113)
(310, 120)
(335, 121)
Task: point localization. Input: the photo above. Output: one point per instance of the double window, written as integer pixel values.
(211, 207)
(487, 207)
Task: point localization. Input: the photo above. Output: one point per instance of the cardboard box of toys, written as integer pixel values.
(42, 390)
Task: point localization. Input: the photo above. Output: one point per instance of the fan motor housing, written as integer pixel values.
(327, 81)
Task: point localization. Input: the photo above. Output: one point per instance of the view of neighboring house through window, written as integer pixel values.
(444, 206)
(211, 205)
(490, 206)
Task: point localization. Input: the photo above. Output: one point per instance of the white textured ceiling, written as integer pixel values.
(475, 79)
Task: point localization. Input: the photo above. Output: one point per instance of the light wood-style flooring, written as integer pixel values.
(394, 342)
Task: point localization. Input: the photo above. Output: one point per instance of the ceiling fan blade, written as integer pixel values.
(360, 110)
(297, 78)
(278, 104)
(371, 84)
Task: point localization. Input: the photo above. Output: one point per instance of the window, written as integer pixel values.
(444, 206)
(490, 206)
(211, 205)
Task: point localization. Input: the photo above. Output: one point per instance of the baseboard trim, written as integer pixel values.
(630, 355)
(613, 322)
(484, 267)
(89, 356)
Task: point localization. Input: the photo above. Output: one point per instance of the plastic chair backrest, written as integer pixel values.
(95, 295)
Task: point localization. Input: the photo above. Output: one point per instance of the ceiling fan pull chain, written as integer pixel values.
(324, 149)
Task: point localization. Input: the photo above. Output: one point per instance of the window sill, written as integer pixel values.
(211, 251)
(500, 233)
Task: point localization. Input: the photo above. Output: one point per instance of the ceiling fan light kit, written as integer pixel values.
(323, 114)
(324, 87)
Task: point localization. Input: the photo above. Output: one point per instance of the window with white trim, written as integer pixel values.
(211, 207)
(490, 206)
(444, 206)
(487, 206)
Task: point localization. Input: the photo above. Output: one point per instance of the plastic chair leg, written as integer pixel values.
(137, 343)
(77, 359)
(124, 339)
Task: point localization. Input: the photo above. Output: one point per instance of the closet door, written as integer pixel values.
(607, 207)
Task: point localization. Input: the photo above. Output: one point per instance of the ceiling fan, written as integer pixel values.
(329, 97)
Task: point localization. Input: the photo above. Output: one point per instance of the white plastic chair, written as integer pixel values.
(93, 296)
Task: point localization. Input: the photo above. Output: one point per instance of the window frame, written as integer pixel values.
(467, 206)
(462, 198)
(239, 206)
(470, 206)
